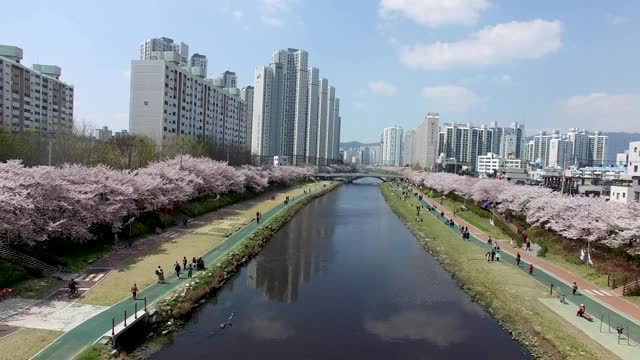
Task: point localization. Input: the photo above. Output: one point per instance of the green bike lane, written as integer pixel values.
(74, 341)
(594, 307)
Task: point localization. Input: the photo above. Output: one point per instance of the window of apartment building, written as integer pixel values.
(635, 168)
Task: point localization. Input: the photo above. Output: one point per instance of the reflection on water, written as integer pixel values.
(343, 280)
(294, 258)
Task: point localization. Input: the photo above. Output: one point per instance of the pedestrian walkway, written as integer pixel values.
(85, 334)
(599, 302)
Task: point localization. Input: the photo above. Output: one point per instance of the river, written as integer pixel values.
(343, 280)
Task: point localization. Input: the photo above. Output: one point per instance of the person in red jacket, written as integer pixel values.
(530, 269)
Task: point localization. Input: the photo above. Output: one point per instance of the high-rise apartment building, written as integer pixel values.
(104, 134)
(559, 153)
(227, 79)
(152, 49)
(200, 61)
(308, 118)
(267, 110)
(598, 149)
(392, 146)
(323, 100)
(170, 99)
(579, 139)
(313, 108)
(426, 142)
(33, 98)
(246, 95)
(409, 147)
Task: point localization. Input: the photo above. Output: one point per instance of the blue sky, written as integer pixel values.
(546, 63)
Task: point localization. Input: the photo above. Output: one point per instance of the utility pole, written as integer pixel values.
(564, 164)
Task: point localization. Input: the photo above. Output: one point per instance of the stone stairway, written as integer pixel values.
(47, 269)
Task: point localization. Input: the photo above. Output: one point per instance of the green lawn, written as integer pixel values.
(509, 294)
(11, 273)
(555, 254)
(472, 218)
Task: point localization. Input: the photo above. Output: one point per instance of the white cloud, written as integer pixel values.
(237, 14)
(504, 79)
(382, 88)
(274, 12)
(616, 19)
(275, 5)
(435, 13)
(502, 43)
(273, 21)
(450, 98)
(611, 112)
(359, 105)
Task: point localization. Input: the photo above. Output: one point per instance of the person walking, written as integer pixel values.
(528, 245)
(574, 288)
(511, 242)
(189, 271)
(493, 254)
(488, 256)
(531, 269)
(177, 268)
(489, 241)
(160, 274)
(498, 256)
(134, 291)
(257, 217)
(184, 262)
(518, 259)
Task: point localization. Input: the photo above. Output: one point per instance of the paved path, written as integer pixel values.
(599, 302)
(85, 334)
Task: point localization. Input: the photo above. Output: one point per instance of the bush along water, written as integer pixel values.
(171, 312)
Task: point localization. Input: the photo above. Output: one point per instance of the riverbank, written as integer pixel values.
(171, 313)
(509, 295)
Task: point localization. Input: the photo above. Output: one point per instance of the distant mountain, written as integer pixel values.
(354, 144)
(619, 142)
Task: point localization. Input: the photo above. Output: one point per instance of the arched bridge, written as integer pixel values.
(350, 177)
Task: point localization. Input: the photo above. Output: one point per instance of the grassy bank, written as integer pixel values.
(185, 300)
(555, 249)
(509, 295)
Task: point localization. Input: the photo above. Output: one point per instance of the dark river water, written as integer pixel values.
(343, 280)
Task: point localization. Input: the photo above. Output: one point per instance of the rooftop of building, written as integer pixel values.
(14, 54)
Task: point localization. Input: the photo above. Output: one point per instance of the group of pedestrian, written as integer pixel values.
(494, 254)
(525, 239)
(464, 232)
(189, 268)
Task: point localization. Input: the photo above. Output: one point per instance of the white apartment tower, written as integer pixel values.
(227, 79)
(308, 118)
(199, 60)
(331, 112)
(323, 100)
(246, 95)
(169, 100)
(559, 153)
(337, 120)
(313, 100)
(296, 86)
(267, 110)
(426, 142)
(33, 98)
(392, 146)
(150, 48)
